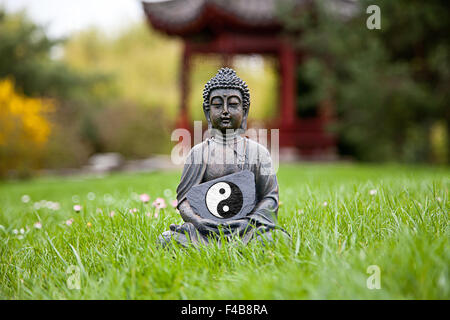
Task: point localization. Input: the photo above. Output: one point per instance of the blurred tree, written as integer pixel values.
(140, 102)
(26, 55)
(143, 64)
(29, 57)
(390, 86)
(133, 131)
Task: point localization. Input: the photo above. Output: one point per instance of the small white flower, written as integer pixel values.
(37, 205)
(56, 206)
(111, 214)
(134, 196)
(168, 193)
(22, 230)
(15, 231)
(373, 192)
(325, 203)
(38, 225)
(439, 199)
(108, 198)
(69, 222)
(26, 198)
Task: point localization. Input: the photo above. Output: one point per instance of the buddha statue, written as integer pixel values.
(226, 103)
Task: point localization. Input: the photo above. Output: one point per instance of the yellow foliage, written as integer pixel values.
(23, 126)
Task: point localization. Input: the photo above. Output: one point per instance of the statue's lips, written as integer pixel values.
(225, 120)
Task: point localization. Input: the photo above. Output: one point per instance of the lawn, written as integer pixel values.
(343, 219)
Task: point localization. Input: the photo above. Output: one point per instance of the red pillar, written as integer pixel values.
(287, 59)
(183, 117)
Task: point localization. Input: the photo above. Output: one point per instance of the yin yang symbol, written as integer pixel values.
(224, 199)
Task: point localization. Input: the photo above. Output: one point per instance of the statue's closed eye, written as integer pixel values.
(234, 101)
(216, 101)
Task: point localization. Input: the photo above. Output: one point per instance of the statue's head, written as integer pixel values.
(226, 101)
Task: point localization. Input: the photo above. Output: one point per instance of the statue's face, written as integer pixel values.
(226, 110)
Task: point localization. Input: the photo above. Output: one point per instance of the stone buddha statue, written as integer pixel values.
(226, 103)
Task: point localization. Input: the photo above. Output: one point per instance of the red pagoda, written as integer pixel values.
(230, 27)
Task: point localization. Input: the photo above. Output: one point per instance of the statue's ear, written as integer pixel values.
(208, 119)
(244, 120)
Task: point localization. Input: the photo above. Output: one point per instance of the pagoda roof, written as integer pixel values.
(187, 17)
(190, 17)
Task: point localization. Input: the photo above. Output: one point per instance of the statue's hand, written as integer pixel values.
(205, 226)
(239, 226)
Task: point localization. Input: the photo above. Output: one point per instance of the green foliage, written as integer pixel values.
(342, 219)
(127, 80)
(390, 86)
(133, 131)
(143, 64)
(26, 55)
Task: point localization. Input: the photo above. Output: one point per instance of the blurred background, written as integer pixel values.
(100, 85)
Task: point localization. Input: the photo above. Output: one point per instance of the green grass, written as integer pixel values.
(403, 229)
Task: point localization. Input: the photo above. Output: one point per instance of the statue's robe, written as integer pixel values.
(205, 162)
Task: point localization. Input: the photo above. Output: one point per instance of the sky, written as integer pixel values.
(63, 17)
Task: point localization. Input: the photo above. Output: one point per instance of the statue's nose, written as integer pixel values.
(225, 109)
